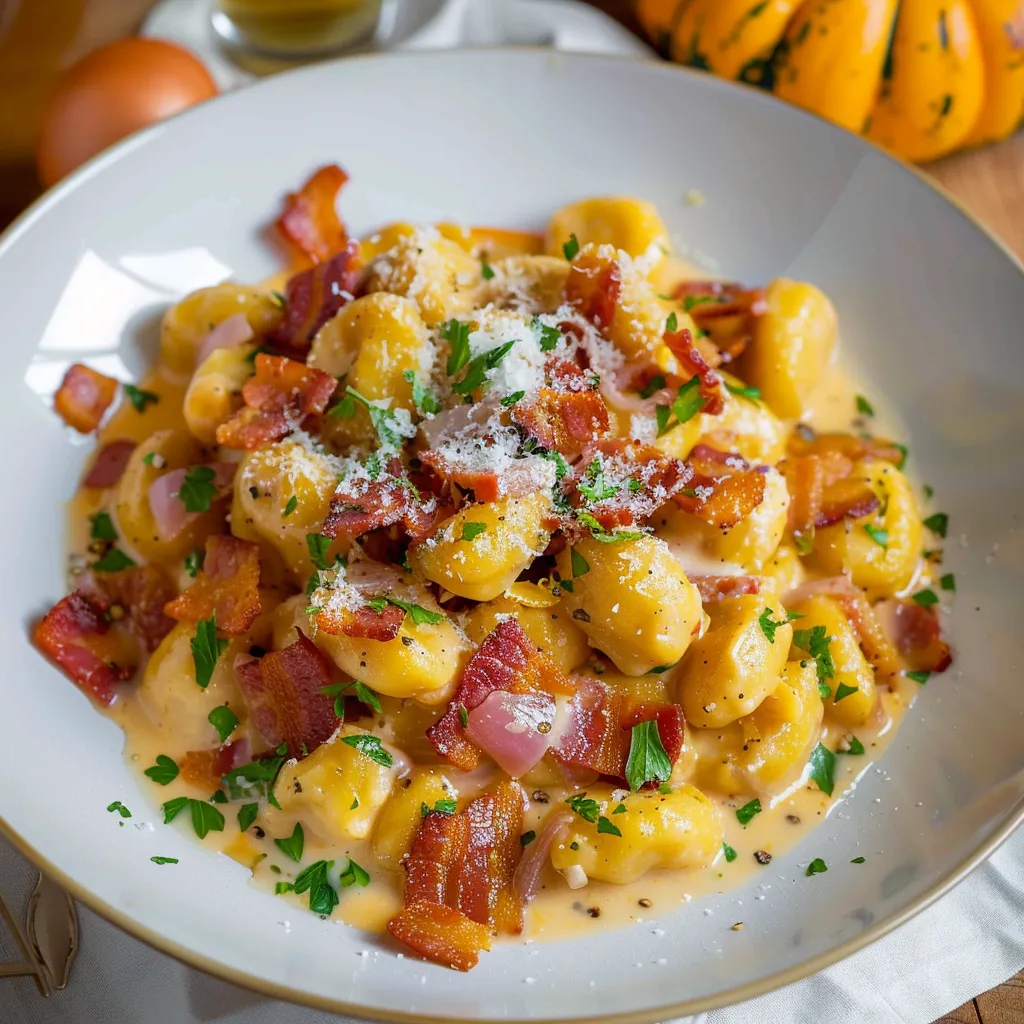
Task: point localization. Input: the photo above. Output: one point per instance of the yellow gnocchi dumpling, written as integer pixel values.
(437, 274)
(400, 817)
(633, 601)
(535, 283)
(215, 392)
(336, 792)
(632, 225)
(551, 630)
(792, 344)
(480, 551)
(880, 551)
(679, 829)
(854, 694)
(746, 426)
(266, 481)
(736, 663)
(187, 323)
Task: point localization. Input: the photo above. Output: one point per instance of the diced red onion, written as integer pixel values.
(526, 880)
(169, 513)
(229, 333)
(514, 728)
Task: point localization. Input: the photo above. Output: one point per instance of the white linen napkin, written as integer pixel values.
(968, 942)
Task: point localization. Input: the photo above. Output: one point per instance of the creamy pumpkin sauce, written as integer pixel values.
(558, 911)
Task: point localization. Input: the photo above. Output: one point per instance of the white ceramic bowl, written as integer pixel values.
(931, 312)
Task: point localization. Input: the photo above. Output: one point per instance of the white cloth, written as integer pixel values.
(968, 942)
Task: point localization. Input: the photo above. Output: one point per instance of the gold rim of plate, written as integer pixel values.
(653, 1015)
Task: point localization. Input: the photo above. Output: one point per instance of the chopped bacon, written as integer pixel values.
(286, 702)
(521, 478)
(310, 219)
(460, 870)
(441, 934)
(227, 586)
(823, 492)
(724, 488)
(563, 421)
(721, 299)
(83, 397)
(281, 395)
(506, 660)
(142, 591)
(805, 481)
(846, 499)
(599, 731)
(805, 442)
(692, 363)
(109, 464)
(658, 475)
(364, 623)
(68, 634)
(594, 290)
(919, 638)
(873, 640)
(207, 767)
(314, 296)
(719, 588)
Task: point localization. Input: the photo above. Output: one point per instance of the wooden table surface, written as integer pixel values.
(39, 38)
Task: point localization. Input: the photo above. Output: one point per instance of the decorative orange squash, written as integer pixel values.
(921, 77)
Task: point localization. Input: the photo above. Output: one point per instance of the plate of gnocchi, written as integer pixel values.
(565, 572)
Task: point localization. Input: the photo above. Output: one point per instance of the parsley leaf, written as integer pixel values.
(858, 860)
(926, 598)
(463, 716)
(198, 489)
(101, 527)
(315, 880)
(354, 875)
(687, 403)
(919, 677)
(290, 507)
(426, 401)
(547, 337)
(206, 650)
(648, 761)
(938, 523)
(194, 562)
(743, 390)
(768, 624)
(842, 690)
(880, 537)
(224, 720)
(853, 746)
(585, 807)
(816, 642)
(692, 301)
(420, 616)
(317, 545)
(656, 383)
(561, 466)
(864, 407)
(746, 813)
(816, 867)
(509, 400)
(570, 248)
(164, 860)
(163, 772)
(256, 777)
(607, 827)
(948, 582)
(593, 485)
(115, 560)
(205, 817)
(471, 530)
(441, 806)
(456, 333)
(527, 837)
(383, 420)
(671, 324)
(486, 270)
(599, 533)
(139, 398)
(476, 372)
(292, 846)
(580, 566)
(370, 747)
(730, 853)
(120, 808)
(247, 815)
(823, 766)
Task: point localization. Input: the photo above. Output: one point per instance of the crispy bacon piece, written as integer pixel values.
(364, 623)
(719, 588)
(874, 642)
(384, 503)
(314, 296)
(723, 490)
(310, 219)
(692, 363)
(286, 703)
(207, 767)
(142, 591)
(226, 587)
(599, 731)
(805, 481)
(822, 492)
(521, 478)
(721, 299)
(459, 871)
(919, 638)
(594, 290)
(846, 499)
(281, 395)
(563, 421)
(68, 634)
(441, 934)
(805, 442)
(109, 464)
(506, 660)
(83, 397)
(658, 475)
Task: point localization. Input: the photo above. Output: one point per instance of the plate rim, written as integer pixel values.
(762, 986)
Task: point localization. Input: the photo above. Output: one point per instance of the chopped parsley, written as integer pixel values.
(194, 562)
(441, 806)
(858, 860)
(599, 533)
(456, 333)
(101, 527)
(948, 582)
(224, 720)
(353, 875)
(527, 837)
(476, 371)
(864, 407)
(206, 650)
(290, 507)
(384, 421)
(619, 809)
(593, 485)
(318, 545)
(292, 846)
(547, 337)
(205, 817)
(472, 530)
(926, 598)
(919, 677)
(362, 692)
(580, 566)
(655, 384)
(743, 390)
(198, 489)
(730, 853)
(692, 301)
(164, 860)
(938, 523)
(120, 808)
(687, 403)
(315, 880)
(256, 777)
(880, 537)
(486, 270)
(247, 815)
(842, 691)
(823, 766)
(426, 401)
(816, 642)
(607, 827)
(769, 625)
(853, 747)
(115, 560)
(369, 746)
(587, 808)
(164, 772)
(463, 716)
(570, 248)
(671, 324)
(747, 813)
(816, 867)
(647, 761)
(139, 398)
(509, 400)
(420, 615)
